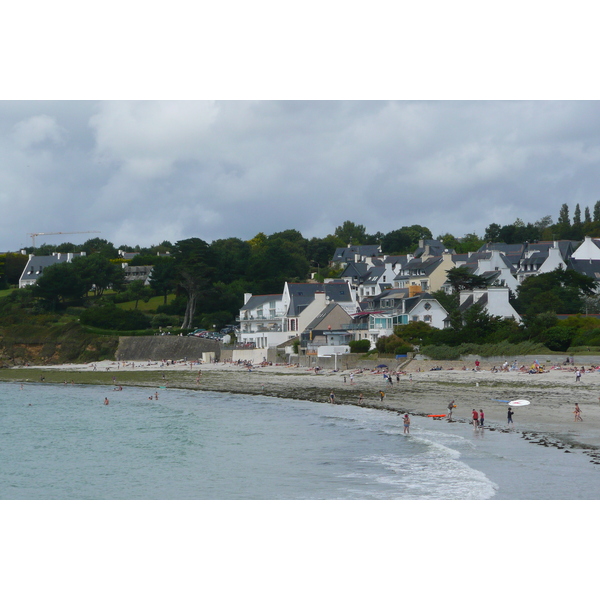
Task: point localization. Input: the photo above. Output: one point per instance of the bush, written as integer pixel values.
(162, 320)
(112, 317)
(359, 346)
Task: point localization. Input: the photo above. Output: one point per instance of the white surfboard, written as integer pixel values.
(519, 403)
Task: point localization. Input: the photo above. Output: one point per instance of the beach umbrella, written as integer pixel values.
(382, 366)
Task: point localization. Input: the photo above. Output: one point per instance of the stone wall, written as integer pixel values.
(167, 347)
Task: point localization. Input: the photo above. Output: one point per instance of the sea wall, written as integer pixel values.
(167, 347)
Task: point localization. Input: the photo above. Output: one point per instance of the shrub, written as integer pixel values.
(359, 346)
(112, 317)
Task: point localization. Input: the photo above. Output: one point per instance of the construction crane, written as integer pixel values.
(34, 235)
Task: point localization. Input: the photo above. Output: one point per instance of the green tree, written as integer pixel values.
(563, 216)
(597, 211)
(99, 246)
(195, 273)
(163, 278)
(397, 242)
(561, 292)
(137, 291)
(587, 217)
(461, 278)
(99, 274)
(351, 233)
(59, 283)
(492, 233)
(232, 259)
(577, 215)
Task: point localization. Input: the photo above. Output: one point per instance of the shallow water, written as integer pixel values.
(62, 442)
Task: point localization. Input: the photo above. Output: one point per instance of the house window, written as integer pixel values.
(427, 318)
(415, 319)
(427, 306)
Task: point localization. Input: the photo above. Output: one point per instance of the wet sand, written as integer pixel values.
(548, 420)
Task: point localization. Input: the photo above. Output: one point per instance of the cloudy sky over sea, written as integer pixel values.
(79, 156)
(142, 172)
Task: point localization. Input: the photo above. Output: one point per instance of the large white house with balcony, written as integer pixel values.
(270, 320)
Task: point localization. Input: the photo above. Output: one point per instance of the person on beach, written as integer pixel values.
(475, 418)
(450, 407)
(360, 399)
(577, 376)
(351, 378)
(481, 417)
(381, 395)
(577, 412)
(332, 397)
(406, 421)
(105, 401)
(509, 416)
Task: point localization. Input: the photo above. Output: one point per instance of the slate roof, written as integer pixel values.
(256, 301)
(585, 266)
(347, 254)
(36, 264)
(302, 294)
(359, 270)
(436, 248)
(321, 316)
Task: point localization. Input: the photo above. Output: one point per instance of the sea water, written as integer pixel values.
(63, 442)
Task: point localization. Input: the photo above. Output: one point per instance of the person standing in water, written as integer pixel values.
(406, 421)
(481, 417)
(450, 407)
(577, 412)
(475, 418)
(105, 401)
(332, 397)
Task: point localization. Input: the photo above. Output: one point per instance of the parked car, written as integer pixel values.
(197, 332)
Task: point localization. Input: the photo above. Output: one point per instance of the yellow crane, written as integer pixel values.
(34, 235)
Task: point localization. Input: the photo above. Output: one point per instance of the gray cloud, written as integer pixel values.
(142, 172)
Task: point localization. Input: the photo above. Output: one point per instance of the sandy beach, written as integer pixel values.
(547, 420)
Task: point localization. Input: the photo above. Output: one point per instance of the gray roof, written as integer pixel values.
(434, 247)
(359, 270)
(348, 253)
(302, 294)
(256, 301)
(36, 264)
(585, 266)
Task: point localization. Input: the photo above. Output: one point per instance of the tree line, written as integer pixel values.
(210, 279)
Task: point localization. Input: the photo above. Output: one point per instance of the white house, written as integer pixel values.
(494, 299)
(270, 320)
(36, 264)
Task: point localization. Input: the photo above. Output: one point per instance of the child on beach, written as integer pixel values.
(332, 397)
(577, 412)
(509, 416)
(481, 417)
(406, 423)
(475, 418)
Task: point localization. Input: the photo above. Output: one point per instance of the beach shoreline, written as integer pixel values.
(548, 420)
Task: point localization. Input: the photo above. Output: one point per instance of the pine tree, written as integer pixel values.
(587, 218)
(577, 215)
(597, 211)
(563, 216)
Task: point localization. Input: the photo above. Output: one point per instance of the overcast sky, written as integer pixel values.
(143, 172)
